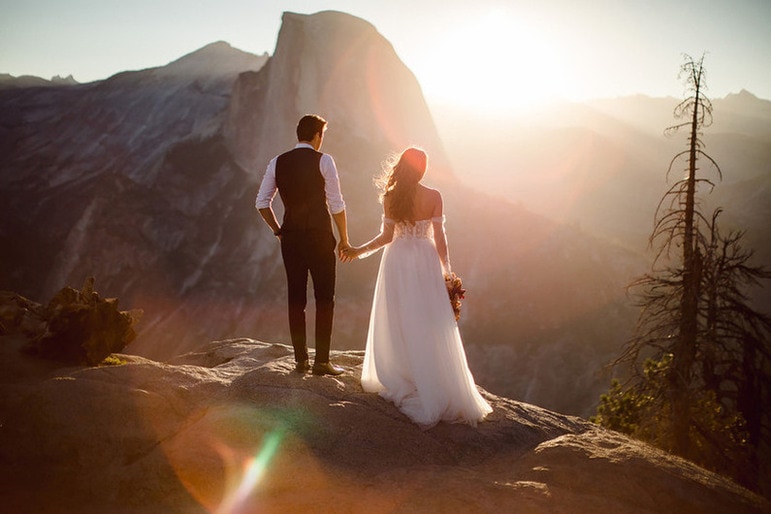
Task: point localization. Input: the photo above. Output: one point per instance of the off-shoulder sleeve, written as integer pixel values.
(438, 223)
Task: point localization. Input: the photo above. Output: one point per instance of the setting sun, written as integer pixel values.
(492, 63)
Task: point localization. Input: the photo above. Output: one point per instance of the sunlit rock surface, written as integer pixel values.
(231, 427)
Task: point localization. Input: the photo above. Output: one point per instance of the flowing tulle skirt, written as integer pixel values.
(414, 355)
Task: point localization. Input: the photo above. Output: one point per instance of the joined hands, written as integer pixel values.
(349, 253)
(342, 248)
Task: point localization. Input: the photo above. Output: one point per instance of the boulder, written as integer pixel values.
(76, 327)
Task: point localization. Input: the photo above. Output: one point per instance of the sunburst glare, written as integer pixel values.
(493, 63)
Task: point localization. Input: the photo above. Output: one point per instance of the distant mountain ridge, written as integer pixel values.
(746, 103)
(8, 81)
(603, 164)
(217, 58)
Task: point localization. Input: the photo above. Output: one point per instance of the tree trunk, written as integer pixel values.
(685, 349)
(749, 404)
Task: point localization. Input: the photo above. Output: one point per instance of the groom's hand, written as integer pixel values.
(342, 248)
(350, 254)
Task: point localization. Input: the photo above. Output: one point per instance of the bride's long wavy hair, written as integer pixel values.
(399, 182)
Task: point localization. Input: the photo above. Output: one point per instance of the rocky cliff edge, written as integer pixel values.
(232, 428)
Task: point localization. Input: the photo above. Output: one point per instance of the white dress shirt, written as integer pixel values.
(328, 169)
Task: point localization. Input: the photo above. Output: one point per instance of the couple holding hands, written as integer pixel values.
(414, 354)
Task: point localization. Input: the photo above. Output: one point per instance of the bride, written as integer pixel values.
(414, 355)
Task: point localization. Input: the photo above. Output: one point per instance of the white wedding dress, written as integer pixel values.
(414, 355)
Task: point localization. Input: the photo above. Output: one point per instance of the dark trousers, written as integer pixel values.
(310, 253)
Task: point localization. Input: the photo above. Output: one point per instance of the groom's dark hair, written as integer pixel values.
(309, 126)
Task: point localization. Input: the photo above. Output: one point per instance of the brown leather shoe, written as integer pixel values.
(326, 368)
(302, 366)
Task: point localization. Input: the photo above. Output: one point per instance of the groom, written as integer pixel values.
(307, 182)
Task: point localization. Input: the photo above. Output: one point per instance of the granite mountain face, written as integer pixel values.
(128, 180)
(146, 181)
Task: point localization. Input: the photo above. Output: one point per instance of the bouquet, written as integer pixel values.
(455, 291)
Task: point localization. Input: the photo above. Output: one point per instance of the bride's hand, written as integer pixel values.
(350, 253)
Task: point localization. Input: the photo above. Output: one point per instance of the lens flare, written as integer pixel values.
(254, 470)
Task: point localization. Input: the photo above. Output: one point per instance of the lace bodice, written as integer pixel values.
(422, 229)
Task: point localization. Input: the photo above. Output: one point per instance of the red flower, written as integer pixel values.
(455, 291)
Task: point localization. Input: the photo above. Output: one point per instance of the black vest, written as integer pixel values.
(301, 187)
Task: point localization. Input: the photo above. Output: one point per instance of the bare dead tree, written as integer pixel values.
(700, 353)
(735, 354)
(700, 109)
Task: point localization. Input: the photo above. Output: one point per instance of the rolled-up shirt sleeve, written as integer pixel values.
(268, 187)
(331, 184)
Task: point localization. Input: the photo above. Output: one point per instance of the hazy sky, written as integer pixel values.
(487, 53)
